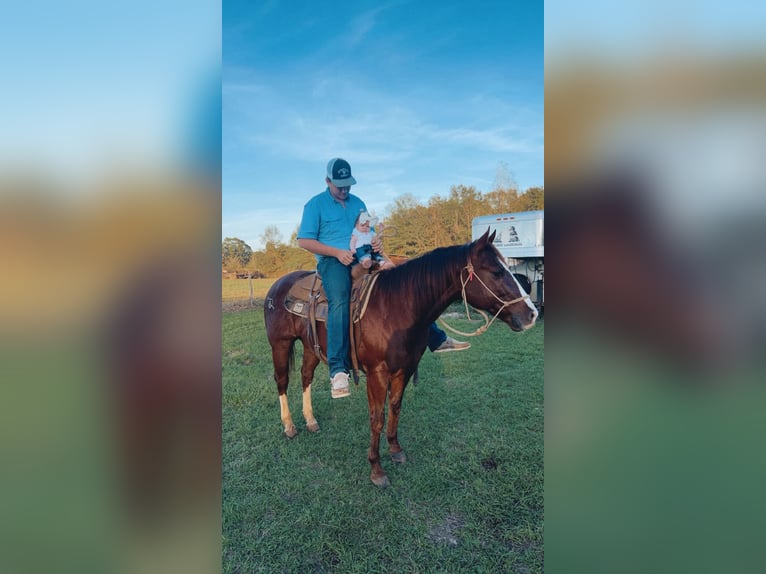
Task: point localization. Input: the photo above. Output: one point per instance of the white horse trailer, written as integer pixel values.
(519, 238)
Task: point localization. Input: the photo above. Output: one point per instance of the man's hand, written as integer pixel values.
(314, 246)
(345, 257)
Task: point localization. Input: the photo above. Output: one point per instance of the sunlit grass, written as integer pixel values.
(239, 289)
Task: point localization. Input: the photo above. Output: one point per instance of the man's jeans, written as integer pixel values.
(336, 279)
(435, 337)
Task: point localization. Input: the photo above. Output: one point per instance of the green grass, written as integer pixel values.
(469, 498)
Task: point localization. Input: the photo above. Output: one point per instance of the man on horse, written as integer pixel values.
(325, 230)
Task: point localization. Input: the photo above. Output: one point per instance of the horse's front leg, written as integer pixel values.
(377, 388)
(395, 395)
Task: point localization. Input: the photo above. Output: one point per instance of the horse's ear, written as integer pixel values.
(486, 237)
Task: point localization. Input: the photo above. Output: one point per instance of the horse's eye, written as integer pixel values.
(498, 273)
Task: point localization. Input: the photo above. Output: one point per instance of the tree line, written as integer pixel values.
(410, 229)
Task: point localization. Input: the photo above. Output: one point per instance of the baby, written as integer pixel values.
(361, 242)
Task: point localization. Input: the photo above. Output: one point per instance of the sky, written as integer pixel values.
(97, 84)
(417, 96)
(625, 30)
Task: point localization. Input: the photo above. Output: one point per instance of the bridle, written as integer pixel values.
(487, 322)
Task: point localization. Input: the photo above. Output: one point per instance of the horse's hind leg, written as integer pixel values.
(376, 397)
(309, 365)
(280, 353)
(394, 408)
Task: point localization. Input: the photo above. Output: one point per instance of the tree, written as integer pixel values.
(235, 252)
(271, 236)
(532, 199)
(409, 227)
(294, 237)
(277, 258)
(501, 201)
(464, 203)
(273, 255)
(503, 177)
(447, 220)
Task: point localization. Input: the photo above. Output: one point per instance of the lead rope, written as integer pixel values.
(487, 321)
(386, 231)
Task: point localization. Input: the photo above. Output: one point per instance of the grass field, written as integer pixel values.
(239, 289)
(469, 498)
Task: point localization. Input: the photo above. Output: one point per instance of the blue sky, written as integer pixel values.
(91, 86)
(417, 96)
(619, 31)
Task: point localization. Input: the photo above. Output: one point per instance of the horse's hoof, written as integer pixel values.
(313, 427)
(292, 432)
(398, 457)
(380, 481)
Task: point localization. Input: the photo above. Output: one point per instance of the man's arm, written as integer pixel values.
(319, 248)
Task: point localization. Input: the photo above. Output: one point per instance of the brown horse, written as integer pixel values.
(393, 332)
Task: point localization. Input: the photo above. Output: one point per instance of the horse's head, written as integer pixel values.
(490, 285)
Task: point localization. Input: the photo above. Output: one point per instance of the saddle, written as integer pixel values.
(307, 299)
(307, 293)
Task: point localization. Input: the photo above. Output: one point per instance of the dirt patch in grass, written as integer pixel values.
(446, 532)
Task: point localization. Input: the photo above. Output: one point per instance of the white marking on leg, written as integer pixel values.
(287, 419)
(308, 411)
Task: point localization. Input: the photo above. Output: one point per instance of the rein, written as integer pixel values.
(487, 321)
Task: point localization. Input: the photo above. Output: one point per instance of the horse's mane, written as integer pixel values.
(423, 280)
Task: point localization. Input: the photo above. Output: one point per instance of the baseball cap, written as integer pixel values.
(339, 172)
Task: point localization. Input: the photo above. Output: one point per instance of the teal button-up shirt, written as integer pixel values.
(328, 221)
